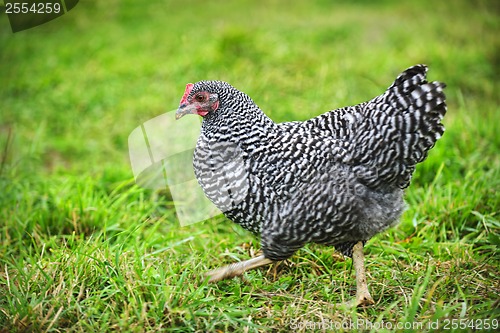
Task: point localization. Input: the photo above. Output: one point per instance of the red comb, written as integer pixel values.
(189, 87)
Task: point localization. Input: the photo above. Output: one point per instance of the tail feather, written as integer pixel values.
(399, 128)
(390, 134)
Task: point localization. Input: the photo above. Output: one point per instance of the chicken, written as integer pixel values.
(337, 179)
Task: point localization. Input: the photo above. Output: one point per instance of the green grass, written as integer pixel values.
(84, 249)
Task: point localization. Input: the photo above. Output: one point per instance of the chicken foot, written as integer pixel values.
(237, 269)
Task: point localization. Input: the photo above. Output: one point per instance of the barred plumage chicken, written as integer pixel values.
(336, 179)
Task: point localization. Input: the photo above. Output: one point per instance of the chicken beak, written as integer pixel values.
(183, 110)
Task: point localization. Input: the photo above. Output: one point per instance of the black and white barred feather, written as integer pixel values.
(335, 179)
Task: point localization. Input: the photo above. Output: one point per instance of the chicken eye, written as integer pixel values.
(199, 97)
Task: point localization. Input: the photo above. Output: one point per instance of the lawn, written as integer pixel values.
(84, 249)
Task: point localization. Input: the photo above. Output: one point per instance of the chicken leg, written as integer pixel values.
(363, 296)
(237, 269)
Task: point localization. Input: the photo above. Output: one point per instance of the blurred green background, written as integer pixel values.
(73, 89)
